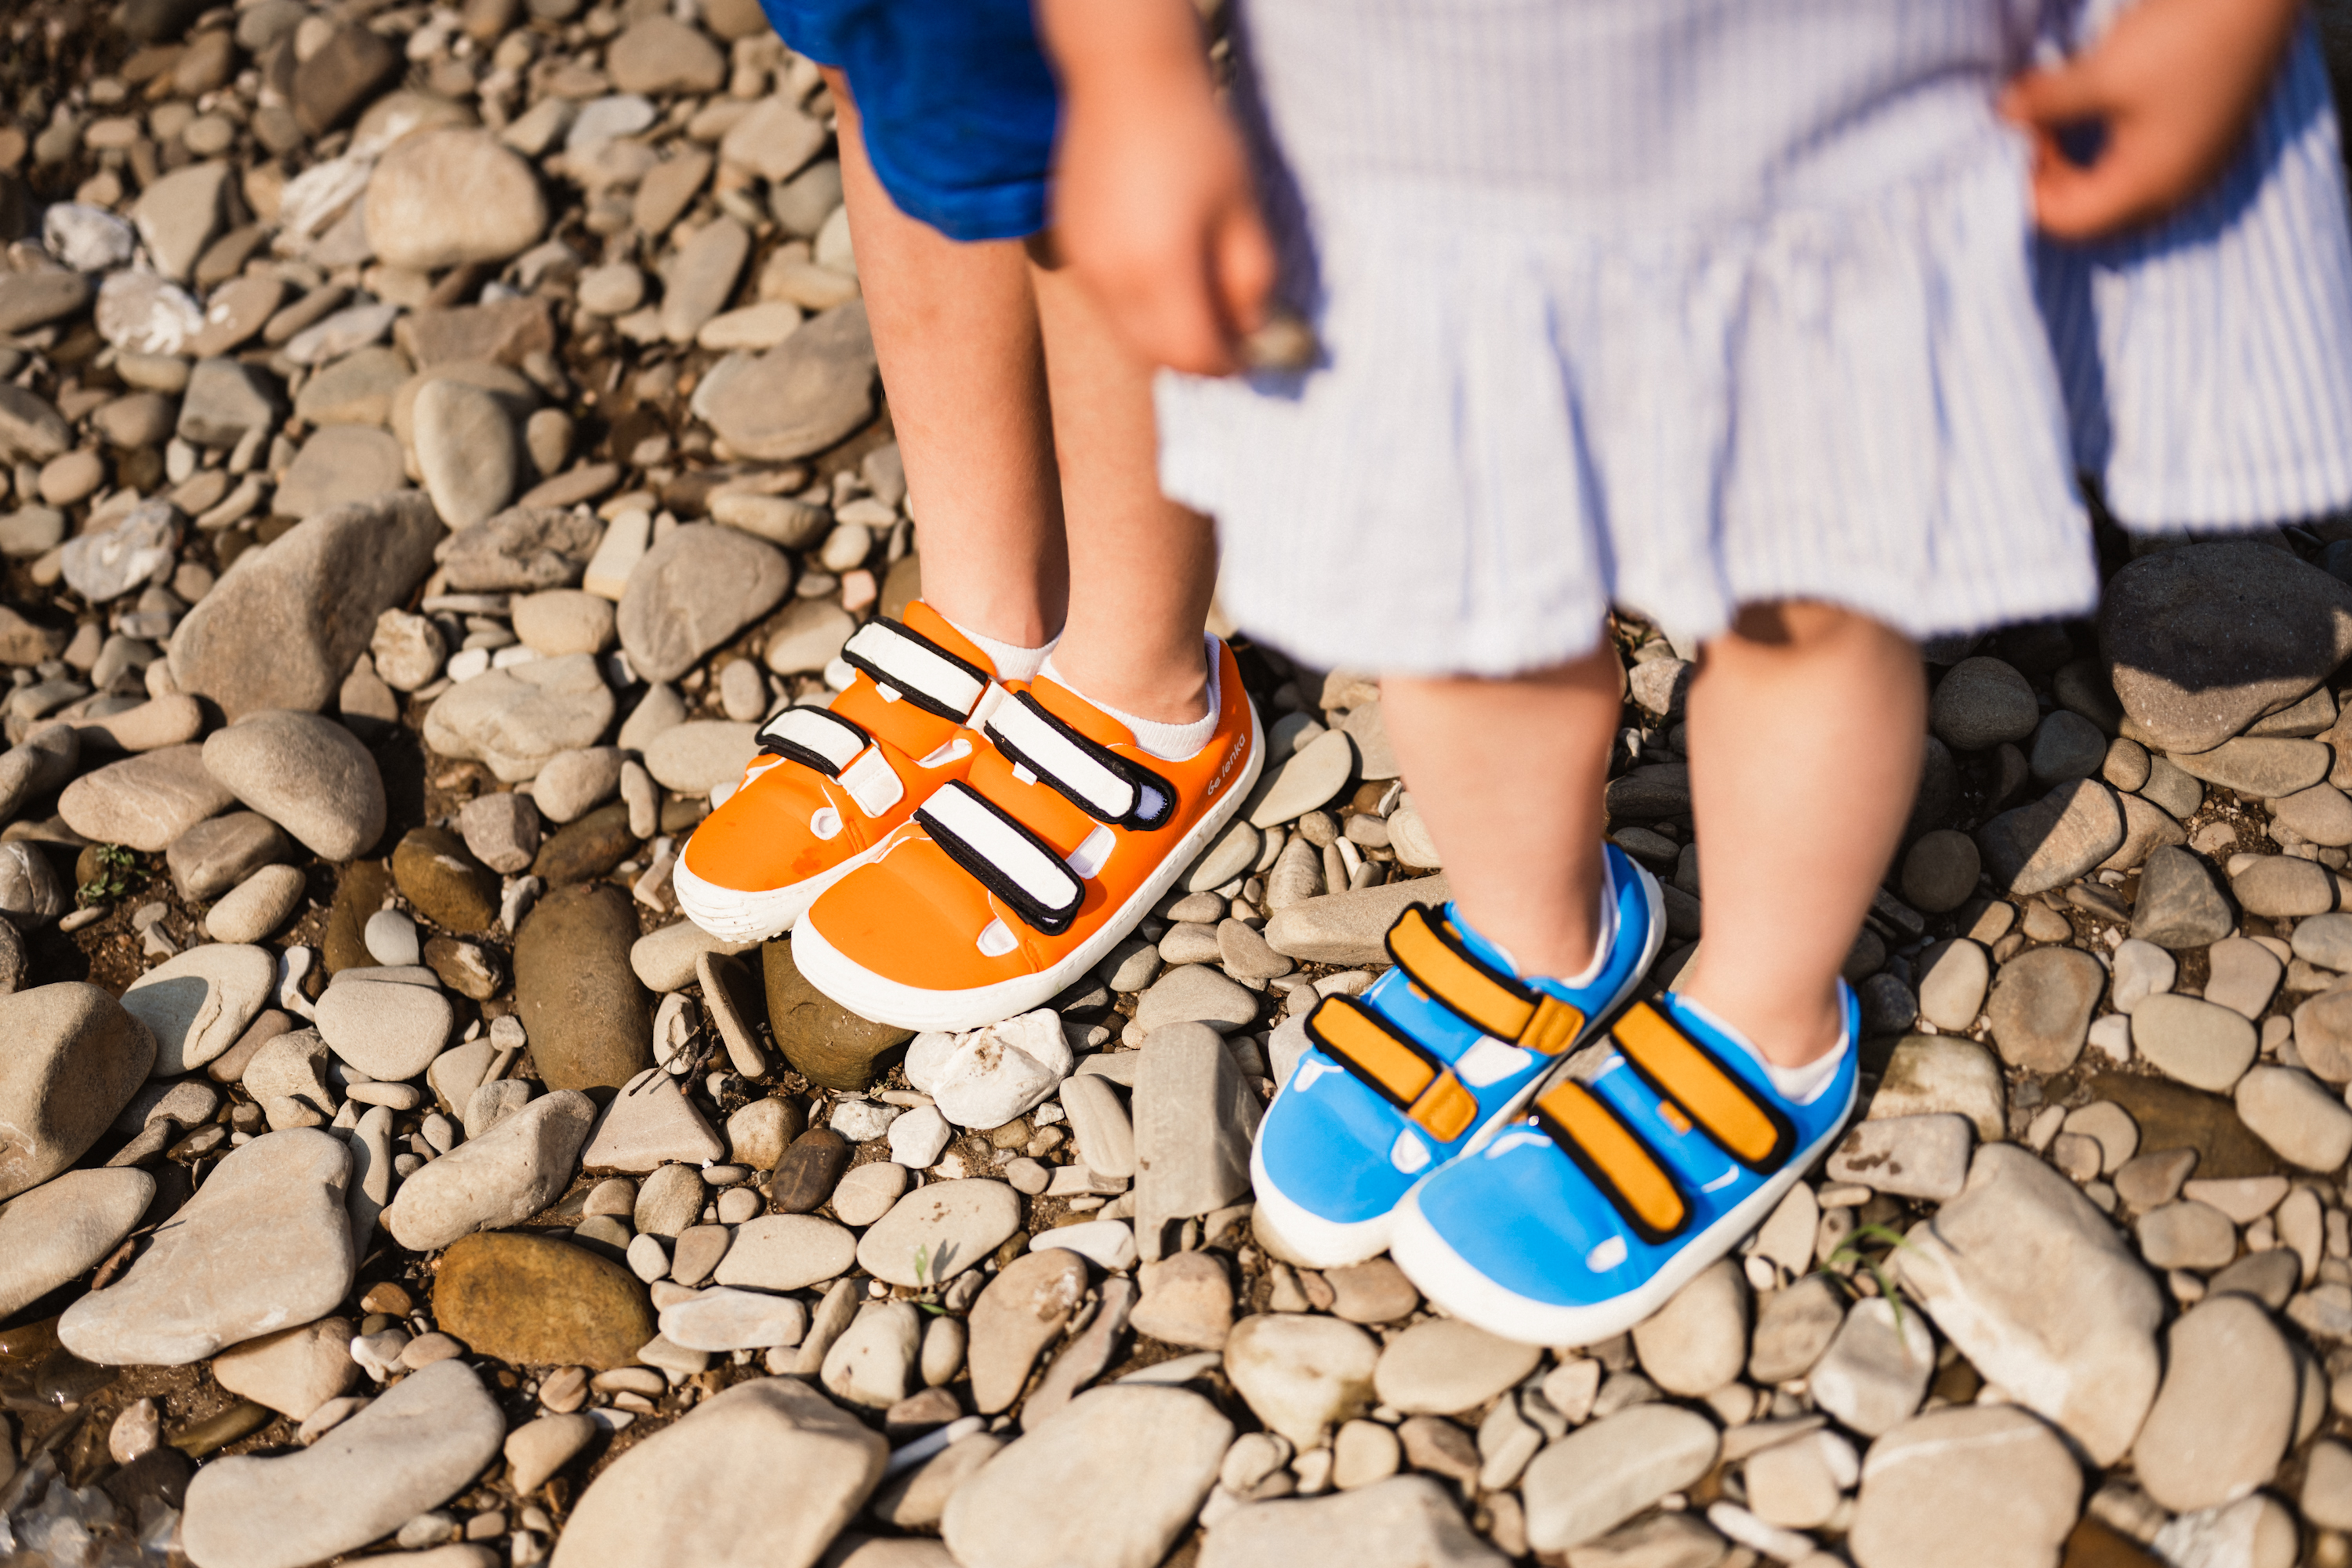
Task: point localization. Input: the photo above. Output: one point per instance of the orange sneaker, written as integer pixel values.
(831, 783)
(1008, 886)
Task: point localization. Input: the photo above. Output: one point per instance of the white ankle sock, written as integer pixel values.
(1798, 1086)
(1013, 663)
(1171, 742)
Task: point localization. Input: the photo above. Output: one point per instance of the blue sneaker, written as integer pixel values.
(1645, 1160)
(1436, 1054)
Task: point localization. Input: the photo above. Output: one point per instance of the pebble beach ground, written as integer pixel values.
(435, 438)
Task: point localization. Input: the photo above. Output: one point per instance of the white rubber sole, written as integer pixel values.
(735, 916)
(904, 1006)
(1322, 1243)
(1443, 1274)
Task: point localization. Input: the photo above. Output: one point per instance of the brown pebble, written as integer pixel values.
(810, 1168)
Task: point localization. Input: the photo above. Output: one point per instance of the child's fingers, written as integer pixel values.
(1245, 267)
(1172, 316)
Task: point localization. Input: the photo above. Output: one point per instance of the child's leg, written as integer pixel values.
(1143, 566)
(955, 327)
(1805, 726)
(1509, 774)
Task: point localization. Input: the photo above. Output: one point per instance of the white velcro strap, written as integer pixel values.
(917, 668)
(1011, 861)
(1025, 733)
(872, 784)
(813, 735)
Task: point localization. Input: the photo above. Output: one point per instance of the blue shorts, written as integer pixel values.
(957, 102)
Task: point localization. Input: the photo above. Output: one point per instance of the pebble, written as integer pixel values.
(1408, 1521)
(588, 1020)
(694, 590)
(870, 1364)
(144, 801)
(554, 622)
(2041, 1007)
(2265, 769)
(197, 1003)
(2294, 1115)
(1301, 1375)
(938, 1231)
(77, 1056)
(827, 1043)
(2141, 969)
(1953, 978)
(2321, 814)
(1939, 871)
(649, 1123)
(2203, 1045)
(769, 1470)
(2326, 1499)
(985, 1078)
(499, 1178)
(1444, 1365)
(1982, 1486)
(1309, 780)
(537, 1450)
(256, 905)
(1692, 1346)
(2280, 885)
(787, 1252)
(417, 1446)
(111, 561)
(669, 1201)
(294, 1371)
(866, 1194)
(797, 398)
(2203, 641)
(2054, 840)
(264, 1245)
(465, 449)
(1128, 1467)
(2033, 1286)
(1109, 1243)
(1910, 1156)
(65, 1227)
(724, 1319)
(534, 1300)
(390, 1032)
(517, 717)
(1981, 702)
(810, 1170)
(1602, 1474)
(283, 631)
(444, 197)
(2178, 905)
(1194, 1118)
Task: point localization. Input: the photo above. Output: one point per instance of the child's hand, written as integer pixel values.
(1153, 207)
(2174, 83)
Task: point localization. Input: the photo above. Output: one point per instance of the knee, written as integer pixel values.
(1802, 627)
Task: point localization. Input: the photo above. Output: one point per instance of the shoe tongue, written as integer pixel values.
(1078, 713)
(921, 618)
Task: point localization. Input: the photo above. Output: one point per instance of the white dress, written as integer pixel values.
(1683, 304)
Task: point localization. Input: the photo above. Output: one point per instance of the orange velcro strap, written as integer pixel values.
(1706, 1091)
(1614, 1156)
(1394, 1065)
(1442, 964)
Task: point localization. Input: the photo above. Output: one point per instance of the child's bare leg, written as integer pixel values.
(1805, 726)
(1508, 775)
(955, 327)
(1144, 567)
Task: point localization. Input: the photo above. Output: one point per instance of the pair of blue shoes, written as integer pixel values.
(1537, 1161)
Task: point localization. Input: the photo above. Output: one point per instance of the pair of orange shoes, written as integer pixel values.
(949, 850)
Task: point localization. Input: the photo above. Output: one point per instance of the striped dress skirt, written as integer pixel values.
(1686, 304)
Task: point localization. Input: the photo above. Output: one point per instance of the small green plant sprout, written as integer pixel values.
(1850, 1251)
(928, 1300)
(118, 872)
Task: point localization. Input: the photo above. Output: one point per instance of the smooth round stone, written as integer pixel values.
(871, 1362)
(938, 1231)
(1977, 1486)
(700, 755)
(2280, 885)
(1692, 1346)
(2226, 1412)
(391, 938)
(2241, 976)
(2053, 840)
(589, 1020)
(669, 1201)
(2066, 746)
(2142, 970)
(417, 1446)
(515, 719)
(293, 1371)
(1444, 1365)
(1953, 977)
(725, 1320)
(557, 621)
(1939, 871)
(65, 1227)
(309, 774)
(2040, 1007)
(537, 1450)
(2187, 1236)
(574, 782)
(697, 1251)
(31, 892)
(75, 1058)
(2293, 1113)
(787, 1252)
(695, 589)
(1309, 780)
(537, 1301)
(1301, 1375)
(444, 198)
(1194, 993)
(867, 1193)
(2326, 940)
(2203, 1045)
(146, 801)
(1373, 1292)
(1981, 702)
(2321, 814)
(2323, 1033)
(503, 1177)
(265, 1244)
(611, 290)
(2126, 766)
(1021, 1312)
(1107, 1243)
(1604, 1473)
(200, 1001)
(256, 905)
(389, 1032)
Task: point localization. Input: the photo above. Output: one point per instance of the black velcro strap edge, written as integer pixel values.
(792, 751)
(928, 704)
(1014, 897)
(1138, 778)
